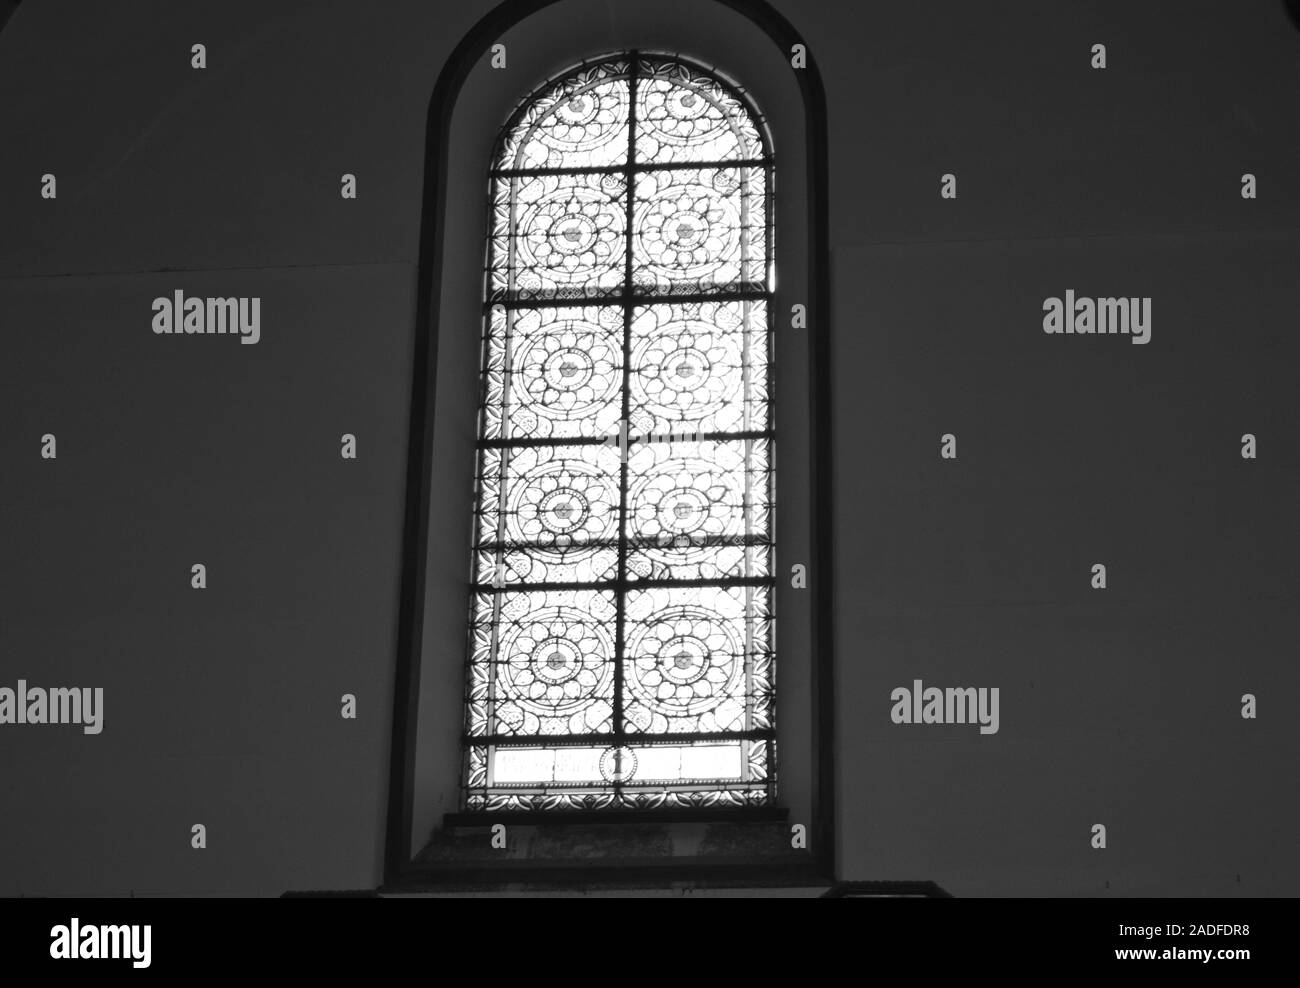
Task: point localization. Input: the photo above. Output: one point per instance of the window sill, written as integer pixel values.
(620, 849)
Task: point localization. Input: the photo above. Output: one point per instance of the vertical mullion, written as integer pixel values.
(620, 631)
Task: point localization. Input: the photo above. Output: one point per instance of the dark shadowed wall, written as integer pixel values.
(1118, 707)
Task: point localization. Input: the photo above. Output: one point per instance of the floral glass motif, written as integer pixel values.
(621, 627)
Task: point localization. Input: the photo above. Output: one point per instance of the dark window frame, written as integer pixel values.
(475, 45)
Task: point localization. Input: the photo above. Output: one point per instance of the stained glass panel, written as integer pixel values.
(698, 510)
(553, 372)
(697, 660)
(582, 119)
(700, 231)
(549, 514)
(621, 629)
(684, 115)
(546, 664)
(699, 367)
(558, 236)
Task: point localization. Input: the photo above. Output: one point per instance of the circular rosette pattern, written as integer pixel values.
(685, 502)
(570, 372)
(686, 672)
(675, 119)
(687, 373)
(556, 674)
(561, 505)
(585, 120)
(687, 231)
(570, 236)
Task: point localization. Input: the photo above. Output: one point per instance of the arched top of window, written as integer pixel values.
(683, 114)
(699, 212)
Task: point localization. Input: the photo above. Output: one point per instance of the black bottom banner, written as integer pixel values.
(366, 935)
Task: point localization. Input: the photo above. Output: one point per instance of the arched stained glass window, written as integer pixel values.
(621, 626)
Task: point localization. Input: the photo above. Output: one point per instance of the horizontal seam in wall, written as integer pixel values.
(261, 267)
(1280, 233)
